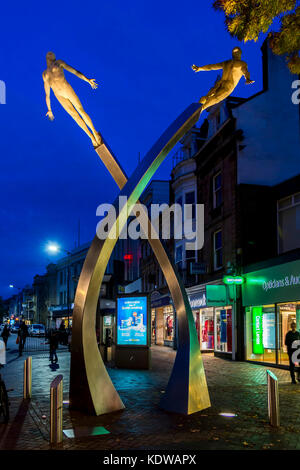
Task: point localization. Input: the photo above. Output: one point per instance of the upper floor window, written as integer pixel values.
(217, 190)
(190, 255)
(179, 200)
(190, 199)
(178, 256)
(288, 217)
(218, 250)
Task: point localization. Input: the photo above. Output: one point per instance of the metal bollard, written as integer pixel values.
(273, 399)
(27, 378)
(56, 407)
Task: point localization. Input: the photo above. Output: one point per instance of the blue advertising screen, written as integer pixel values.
(132, 321)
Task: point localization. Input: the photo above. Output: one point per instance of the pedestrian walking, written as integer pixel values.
(63, 334)
(53, 342)
(5, 334)
(22, 335)
(291, 336)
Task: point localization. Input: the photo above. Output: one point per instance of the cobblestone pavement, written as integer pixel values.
(236, 387)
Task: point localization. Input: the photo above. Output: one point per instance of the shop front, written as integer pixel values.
(271, 298)
(60, 314)
(162, 321)
(204, 320)
(213, 320)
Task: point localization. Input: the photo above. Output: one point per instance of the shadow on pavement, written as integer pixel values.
(15, 427)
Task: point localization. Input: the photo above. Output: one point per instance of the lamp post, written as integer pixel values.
(12, 286)
(54, 248)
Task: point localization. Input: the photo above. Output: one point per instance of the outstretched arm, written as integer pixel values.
(78, 74)
(247, 74)
(206, 68)
(47, 92)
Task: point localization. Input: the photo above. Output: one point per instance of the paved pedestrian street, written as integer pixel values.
(235, 387)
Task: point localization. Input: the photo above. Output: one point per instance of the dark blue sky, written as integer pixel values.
(140, 53)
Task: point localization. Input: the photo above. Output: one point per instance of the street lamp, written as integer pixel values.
(53, 248)
(12, 286)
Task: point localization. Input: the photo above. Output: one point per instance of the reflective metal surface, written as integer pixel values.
(273, 399)
(90, 386)
(27, 378)
(56, 406)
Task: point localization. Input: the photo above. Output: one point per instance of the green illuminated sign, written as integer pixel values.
(279, 283)
(233, 280)
(258, 347)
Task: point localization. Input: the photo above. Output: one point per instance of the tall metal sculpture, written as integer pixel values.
(91, 389)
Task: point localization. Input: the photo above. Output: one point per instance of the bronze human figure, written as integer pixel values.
(233, 70)
(54, 79)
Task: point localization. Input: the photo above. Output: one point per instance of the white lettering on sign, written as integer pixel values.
(292, 280)
(198, 302)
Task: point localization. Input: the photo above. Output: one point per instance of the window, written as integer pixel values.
(179, 201)
(190, 254)
(218, 251)
(61, 277)
(223, 329)
(61, 299)
(217, 190)
(168, 313)
(261, 333)
(190, 199)
(288, 212)
(178, 256)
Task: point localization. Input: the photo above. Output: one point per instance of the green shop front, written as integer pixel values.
(271, 301)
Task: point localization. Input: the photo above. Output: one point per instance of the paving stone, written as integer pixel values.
(237, 387)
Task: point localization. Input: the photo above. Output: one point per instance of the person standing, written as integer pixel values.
(5, 334)
(291, 336)
(53, 342)
(22, 334)
(63, 335)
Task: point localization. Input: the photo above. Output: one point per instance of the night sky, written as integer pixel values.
(140, 54)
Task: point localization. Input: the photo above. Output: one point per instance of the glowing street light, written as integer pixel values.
(11, 286)
(53, 248)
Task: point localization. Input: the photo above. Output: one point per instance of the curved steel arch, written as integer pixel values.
(90, 386)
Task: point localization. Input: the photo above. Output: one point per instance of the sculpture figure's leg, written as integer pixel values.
(79, 108)
(211, 93)
(217, 94)
(67, 105)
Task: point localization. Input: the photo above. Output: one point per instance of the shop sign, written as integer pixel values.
(223, 327)
(197, 300)
(216, 295)
(268, 323)
(279, 283)
(161, 302)
(229, 329)
(257, 322)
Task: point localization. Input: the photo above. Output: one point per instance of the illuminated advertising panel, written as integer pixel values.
(132, 321)
(258, 347)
